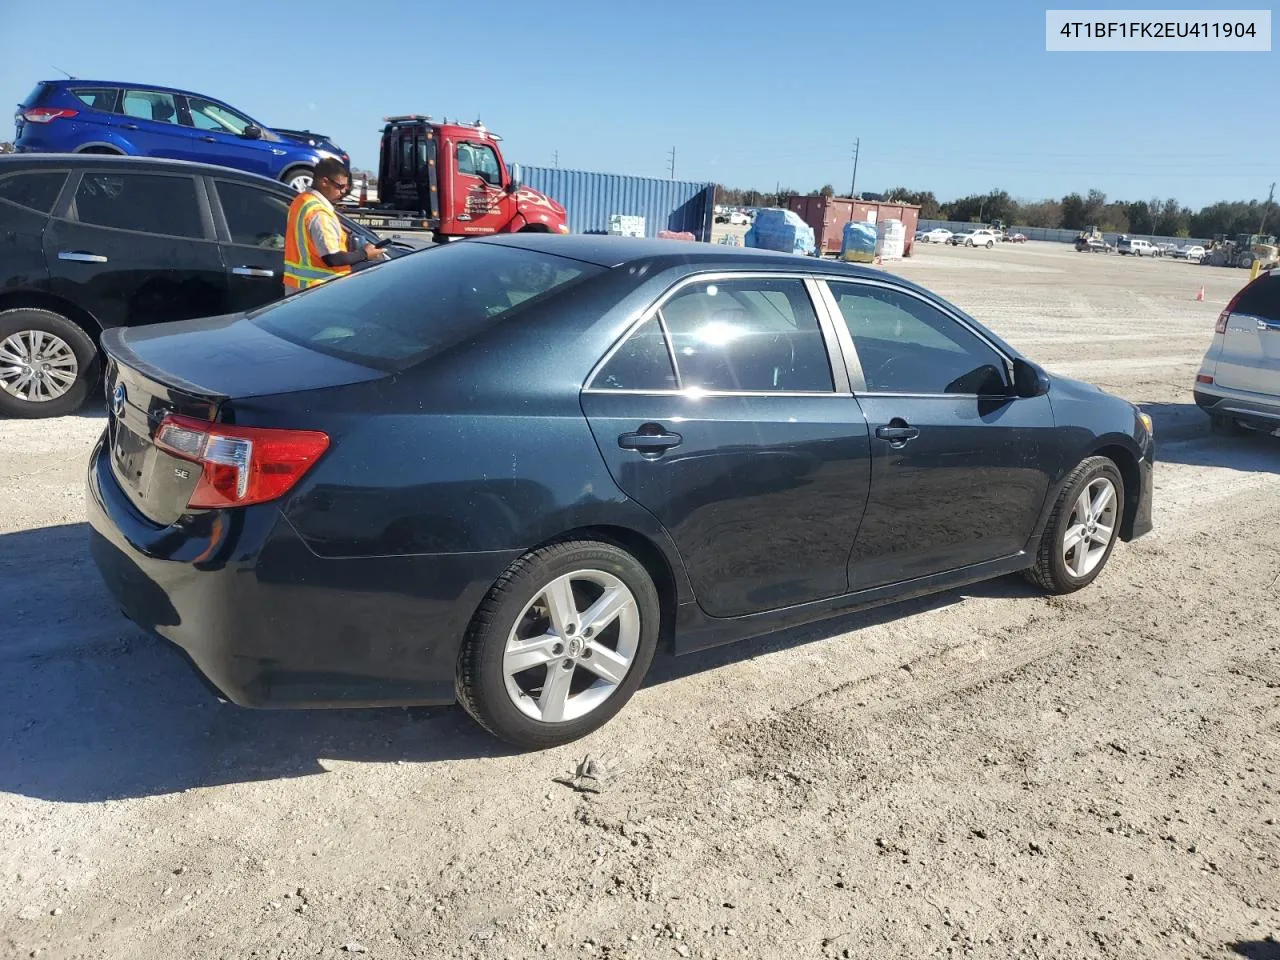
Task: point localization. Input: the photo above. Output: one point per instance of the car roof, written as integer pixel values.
(77, 82)
(611, 251)
(64, 161)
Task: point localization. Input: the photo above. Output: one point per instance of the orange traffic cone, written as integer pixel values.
(1200, 295)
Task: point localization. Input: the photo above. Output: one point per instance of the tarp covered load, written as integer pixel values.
(858, 242)
(781, 230)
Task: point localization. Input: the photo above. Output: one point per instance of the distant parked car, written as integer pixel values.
(1193, 253)
(1165, 249)
(1015, 237)
(739, 219)
(97, 242)
(982, 238)
(140, 120)
(1239, 379)
(1137, 248)
(936, 235)
(958, 239)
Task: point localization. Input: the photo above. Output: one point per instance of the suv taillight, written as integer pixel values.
(1225, 316)
(47, 114)
(240, 465)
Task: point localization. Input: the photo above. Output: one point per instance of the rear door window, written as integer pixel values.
(642, 362)
(1261, 298)
(255, 217)
(401, 312)
(36, 190)
(150, 105)
(750, 335)
(145, 202)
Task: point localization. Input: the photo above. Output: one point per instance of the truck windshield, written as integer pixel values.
(401, 312)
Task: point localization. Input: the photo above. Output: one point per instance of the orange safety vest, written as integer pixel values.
(304, 265)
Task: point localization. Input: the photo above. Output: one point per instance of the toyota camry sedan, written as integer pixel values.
(505, 471)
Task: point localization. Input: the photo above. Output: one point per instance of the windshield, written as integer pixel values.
(398, 313)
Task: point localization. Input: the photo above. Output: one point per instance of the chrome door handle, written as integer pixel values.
(252, 272)
(79, 256)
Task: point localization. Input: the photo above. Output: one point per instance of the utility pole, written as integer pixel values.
(673, 163)
(556, 159)
(1266, 207)
(853, 184)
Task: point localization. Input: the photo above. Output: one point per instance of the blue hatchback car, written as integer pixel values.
(87, 116)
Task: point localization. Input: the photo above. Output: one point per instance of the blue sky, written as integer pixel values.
(953, 97)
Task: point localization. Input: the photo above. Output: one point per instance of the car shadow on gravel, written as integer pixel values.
(95, 709)
(1257, 949)
(1183, 436)
(667, 667)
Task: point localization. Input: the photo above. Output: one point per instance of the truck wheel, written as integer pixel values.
(48, 365)
(299, 178)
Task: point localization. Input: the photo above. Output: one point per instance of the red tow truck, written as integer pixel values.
(450, 179)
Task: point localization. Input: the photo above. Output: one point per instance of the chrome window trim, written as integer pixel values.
(655, 309)
(694, 393)
(843, 328)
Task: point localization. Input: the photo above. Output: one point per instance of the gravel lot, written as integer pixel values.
(986, 773)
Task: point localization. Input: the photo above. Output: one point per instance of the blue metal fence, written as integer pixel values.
(591, 198)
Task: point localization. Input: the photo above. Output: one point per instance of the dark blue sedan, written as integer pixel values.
(503, 471)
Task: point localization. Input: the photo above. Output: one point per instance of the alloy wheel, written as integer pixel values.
(572, 646)
(1090, 528)
(301, 183)
(37, 366)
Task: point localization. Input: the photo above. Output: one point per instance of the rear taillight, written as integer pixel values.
(47, 114)
(1223, 318)
(240, 465)
(1203, 378)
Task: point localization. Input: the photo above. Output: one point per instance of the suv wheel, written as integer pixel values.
(47, 364)
(299, 178)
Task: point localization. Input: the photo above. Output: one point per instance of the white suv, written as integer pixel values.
(982, 238)
(1139, 248)
(1239, 380)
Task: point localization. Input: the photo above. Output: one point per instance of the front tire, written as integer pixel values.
(990, 244)
(48, 365)
(560, 644)
(299, 178)
(1083, 528)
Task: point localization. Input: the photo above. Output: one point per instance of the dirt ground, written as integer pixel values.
(986, 773)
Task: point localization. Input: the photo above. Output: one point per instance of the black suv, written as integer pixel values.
(91, 241)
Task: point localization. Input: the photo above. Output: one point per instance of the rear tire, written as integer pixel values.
(519, 616)
(63, 350)
(1063, 568)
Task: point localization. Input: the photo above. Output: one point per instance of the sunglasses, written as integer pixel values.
(343, 186)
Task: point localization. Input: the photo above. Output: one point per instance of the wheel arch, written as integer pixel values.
(39, 300)
(1126, 462)
(650, 555)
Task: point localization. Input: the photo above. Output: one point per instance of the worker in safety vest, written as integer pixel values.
(315, 243)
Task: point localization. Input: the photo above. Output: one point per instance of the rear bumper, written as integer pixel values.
(1254, 410)
(270, 624)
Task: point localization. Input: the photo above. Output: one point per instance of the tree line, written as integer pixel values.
(1075, 211)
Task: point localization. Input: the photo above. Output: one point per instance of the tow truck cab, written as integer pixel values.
(451, 179)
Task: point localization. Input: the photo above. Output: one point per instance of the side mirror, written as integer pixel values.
(252, 132)
(514, 184)
(1029, 380)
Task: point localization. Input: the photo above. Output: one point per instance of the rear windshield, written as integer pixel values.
(33, 98)
(400, 312)
(1261, 298)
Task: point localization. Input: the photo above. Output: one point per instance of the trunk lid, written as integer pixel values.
(198, 369)
(1249, 358)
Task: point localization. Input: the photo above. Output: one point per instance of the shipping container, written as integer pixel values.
(590, 199)
(828, 215)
